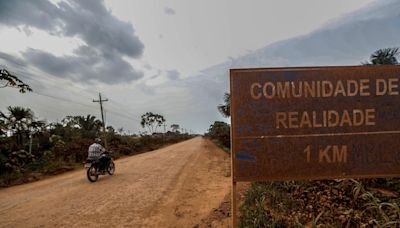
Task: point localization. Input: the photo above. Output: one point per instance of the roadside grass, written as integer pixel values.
(335, 203)
(221, 145)
(36, 170)
(255, 212)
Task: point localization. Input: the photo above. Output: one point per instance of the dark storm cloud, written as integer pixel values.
(107, 38)
(41, 14)
(169, 11)
(91, 21)
(18, 67)
(12, 60)
(108, 68)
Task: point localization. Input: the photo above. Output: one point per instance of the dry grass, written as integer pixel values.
(336, 203)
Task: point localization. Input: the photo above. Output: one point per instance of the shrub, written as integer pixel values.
(220, 131)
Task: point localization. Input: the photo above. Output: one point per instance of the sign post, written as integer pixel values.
(314, 123)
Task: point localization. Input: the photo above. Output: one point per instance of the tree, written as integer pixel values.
(90, 123)
(88, 126)
(110, 129)
(20, 121)
(385, 56)
(3, 124)
(225, 109)
(10, 80)
(152, 121)
(221, 132)
(175, 127)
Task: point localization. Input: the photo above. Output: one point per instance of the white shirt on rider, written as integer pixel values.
(95, 151)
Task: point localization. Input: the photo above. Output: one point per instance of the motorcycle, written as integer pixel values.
(93, 167)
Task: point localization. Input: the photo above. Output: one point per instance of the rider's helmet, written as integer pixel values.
(98, 140)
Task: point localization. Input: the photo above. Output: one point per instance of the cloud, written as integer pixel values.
(158, 74)
(109, 68)
(169, 11)
(145, 89)
(165, 75)
(90, 21)
(41, 14)
(13, 60)
(147, 66)
(107, 38)
(173, 74)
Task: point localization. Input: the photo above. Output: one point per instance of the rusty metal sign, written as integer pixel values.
(315, 122)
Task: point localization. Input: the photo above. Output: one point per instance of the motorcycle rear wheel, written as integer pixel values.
(111, 168)
(92, 174)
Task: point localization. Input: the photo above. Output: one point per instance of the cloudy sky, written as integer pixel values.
(136, 52)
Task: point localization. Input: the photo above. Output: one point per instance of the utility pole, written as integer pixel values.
(30, 142)
(163, 135)
(30, 136)
(102, 118)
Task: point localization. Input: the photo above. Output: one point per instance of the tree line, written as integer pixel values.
(31, 147)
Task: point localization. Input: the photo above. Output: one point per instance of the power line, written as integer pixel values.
(51, 81)
(87, 105)
(60, 98)
(126, 110)
(122, 115)
(87, 90)
(64, 99)
(48, 80)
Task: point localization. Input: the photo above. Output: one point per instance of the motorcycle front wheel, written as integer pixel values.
(92, 174)
(111, 168)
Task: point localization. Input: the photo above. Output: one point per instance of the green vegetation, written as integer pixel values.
(220, 132)
(175, 127)
(152, 121)
(225, 109)
(30, 148)
(335, 203)
(385, 56)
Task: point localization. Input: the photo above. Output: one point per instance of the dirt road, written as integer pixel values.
(175, 186)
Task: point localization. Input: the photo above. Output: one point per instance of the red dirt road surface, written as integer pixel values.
(176, 186)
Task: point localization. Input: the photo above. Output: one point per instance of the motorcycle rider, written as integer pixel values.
(95, 152)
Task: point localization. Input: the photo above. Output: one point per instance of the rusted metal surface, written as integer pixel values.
(315, 122)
